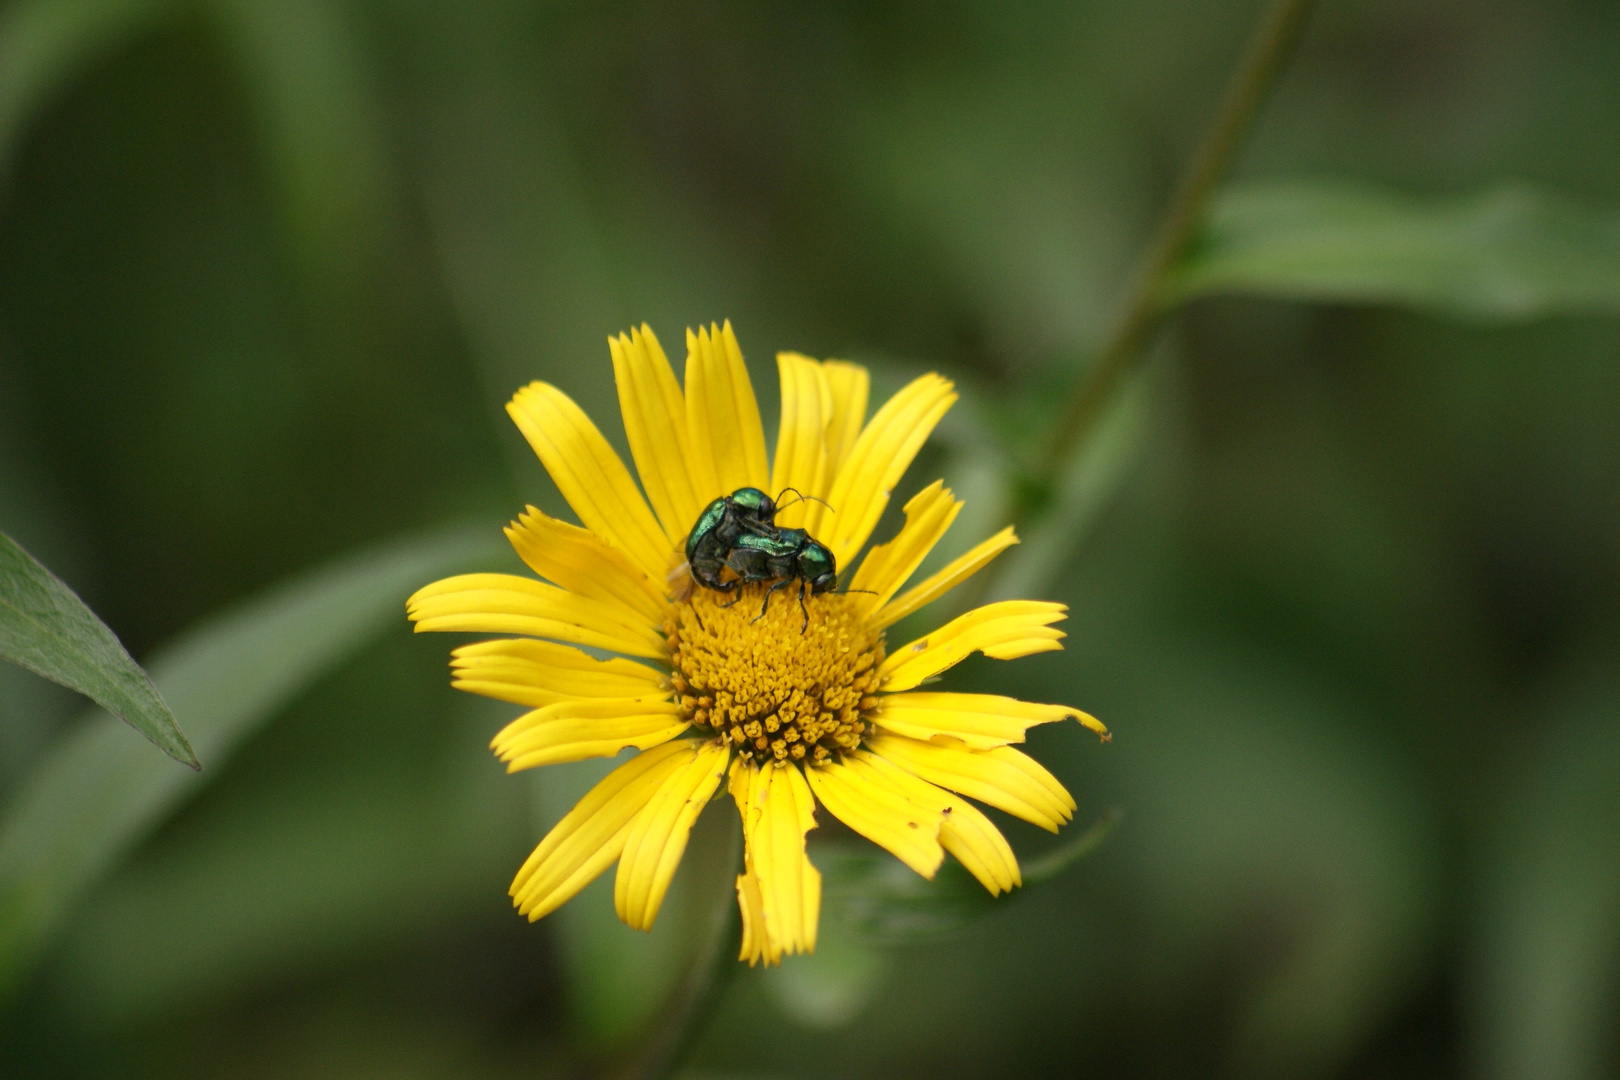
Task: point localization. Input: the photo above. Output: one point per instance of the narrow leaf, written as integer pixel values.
(94, 795)
(47, 629)
(872, 893)
(1508, 253)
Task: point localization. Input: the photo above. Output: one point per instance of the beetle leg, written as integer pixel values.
(803, 611)
(728, 586)
(779, 585)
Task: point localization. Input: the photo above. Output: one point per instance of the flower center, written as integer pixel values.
(788, 686)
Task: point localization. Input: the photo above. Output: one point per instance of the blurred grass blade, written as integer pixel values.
(308, 80)
(45, 44)
(1096, 469)
(1508, 253)
(880, 899)
(1544, 969)
(507, 206)
(95, 794)
(46, 628)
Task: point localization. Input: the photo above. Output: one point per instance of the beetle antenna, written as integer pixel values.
(802, 498)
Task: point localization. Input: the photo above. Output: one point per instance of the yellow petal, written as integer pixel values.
(937, 585)
(1002, 777)
(590, 475)
(756, 943)
(722, 416)
(979, 846)
(1005, 631)
(876, 462)
(881, 814)
(590, 837)
(979, 721)
(508, 604)
(777, 810)
(801, 447)
(657, 837)
(584, 563)
(888, 566)
(850, 384)
(535, 673)
(655, 423)
(575, 730)
(964, 831)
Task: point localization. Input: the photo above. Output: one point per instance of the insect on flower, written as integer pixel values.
(784, 556)
(716, 531)
(789, 714)
(738, 531)
(745, 512)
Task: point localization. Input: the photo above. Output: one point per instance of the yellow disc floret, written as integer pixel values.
(789, 686)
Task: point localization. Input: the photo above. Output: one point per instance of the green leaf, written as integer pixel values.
(1508, 253)
(883, 900)
(94, 796)
(47, 629)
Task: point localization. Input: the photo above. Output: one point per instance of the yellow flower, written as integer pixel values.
(799, 705)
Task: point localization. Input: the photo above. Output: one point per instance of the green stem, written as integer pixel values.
(714, 962)
(1274, 38)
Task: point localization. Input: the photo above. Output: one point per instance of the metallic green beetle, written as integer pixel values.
(785, 556)
(745, 512)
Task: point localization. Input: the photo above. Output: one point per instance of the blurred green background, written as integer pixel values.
(1347, 594)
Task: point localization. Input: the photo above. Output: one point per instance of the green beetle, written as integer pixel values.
(784, 556)
(745, 512)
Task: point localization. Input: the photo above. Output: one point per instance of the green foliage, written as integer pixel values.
(1087, 484)
(47, 629)
(1544, 993)
(319, 120)
(91, 797)
(617, 980)
(885, 901)
(268, 271)
(1513, 252)
(46, 44)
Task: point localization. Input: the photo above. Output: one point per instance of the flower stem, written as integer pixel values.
(711, 969)
(1274, 38)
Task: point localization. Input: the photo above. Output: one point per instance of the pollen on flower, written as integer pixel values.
(777, 688)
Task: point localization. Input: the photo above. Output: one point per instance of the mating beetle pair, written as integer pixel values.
(739, 531)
